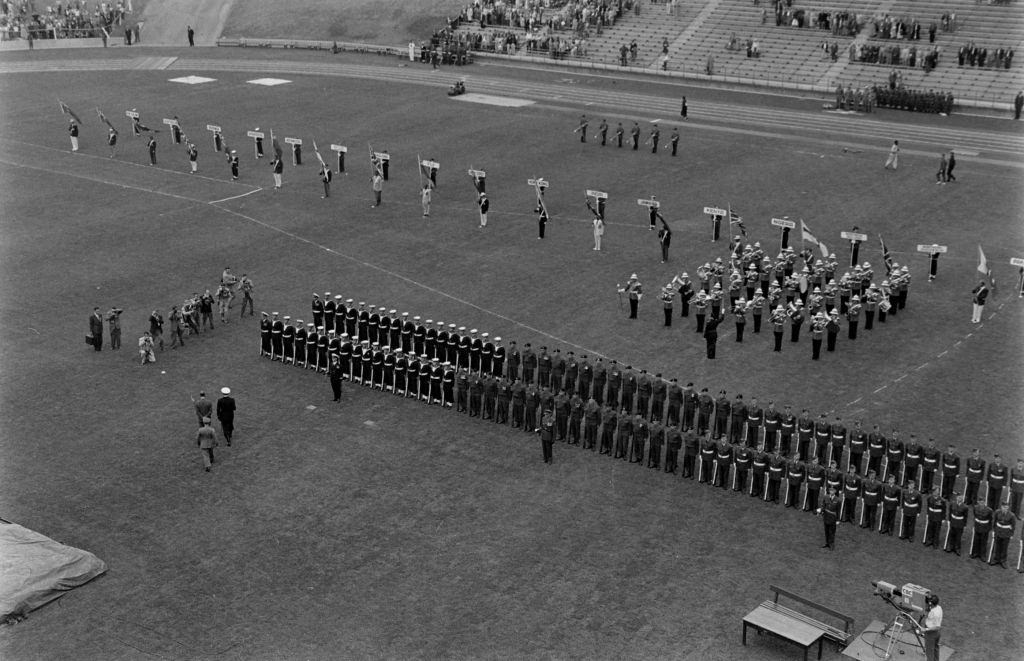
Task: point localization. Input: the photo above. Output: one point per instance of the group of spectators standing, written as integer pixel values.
(62, 20)
(900, 56)
(901, 98)
(194, 315)
(1000, 58)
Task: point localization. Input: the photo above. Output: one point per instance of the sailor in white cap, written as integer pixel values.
(329, 307)
(276, 332)
(498, 359)
(430, 339)
(312, 338)
(441, 346)
(465, 343)
(339, 314)
(408, 328)
(299, 350)
(419, 334)
(475, 348)
(395, 332)
(486, 353)
(318, 310)
(288, 341)
(226, 413)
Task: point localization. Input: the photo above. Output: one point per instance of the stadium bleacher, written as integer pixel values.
(699, 33)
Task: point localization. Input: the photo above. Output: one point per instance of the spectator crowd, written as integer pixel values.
(61, 20)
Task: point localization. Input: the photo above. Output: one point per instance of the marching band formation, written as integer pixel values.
(773, 455)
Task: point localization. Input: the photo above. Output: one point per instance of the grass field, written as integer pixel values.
(382, 528)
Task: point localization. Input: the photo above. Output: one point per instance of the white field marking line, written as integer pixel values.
(116, 160)
(897, 380)
(235, 197)
(104, 181)
(878, 390)
(958, 343)
(921, 367)
(943, 353)
(407, 279)
(855, 401)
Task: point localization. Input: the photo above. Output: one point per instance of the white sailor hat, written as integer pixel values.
(337, 297)
(451, 326)
(330, 332)
(405, 314)
(225, 390)
(416, 318)
(425, 356)
(344, 336)
(497, 339)
(441, 324)
(462, 329)
(485, 335)
(382, 308)
(327, 294)
(805, 269)
(286, 318)
(275, 313)
(319, 328)
(310, 324)
(473, 331)
(392, 311)
(376, 345)
(316, 295)
(430, 321)
(362, 303)
(348, 300)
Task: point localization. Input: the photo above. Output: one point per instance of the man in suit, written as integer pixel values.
(96, 329)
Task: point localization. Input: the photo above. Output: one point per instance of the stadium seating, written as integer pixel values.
(795, 57)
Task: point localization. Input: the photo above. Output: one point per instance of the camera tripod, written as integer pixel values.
(895, 629)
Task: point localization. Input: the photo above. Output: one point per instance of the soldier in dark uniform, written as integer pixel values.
(776, 472)
(600, 379)
(641, 432)
(673, 443)
(910, 507)
(957, 522)
(622, 437)
(708, 452)
(755, 419)
(796, 472)
(487, 354)
(276, 341)
(830, 515)
(498, 357)
(858, 446)
(983, 516)
(658, 393)
(333, 348)
(383, 327)
(759, 469)
(619, 131)
(655, 136)
(851, 491)
(996, 480)
(465, 346)
(318, 311)
(452, 343)
(462, 390)
(738, 416)
(352, 320)
(890, 503)
(532, 402)
(265, 328)
(395, 331)
(503, 399)
(722, 410)
(608, 424)
(603, 130)
(412, 377)
(743, 458)
(950, 467)
(674, 140)
(591, 420)
(634, 134)
(419, 335)
(935, 515)
(815, 481)
(476, 392)
(871, 495)
(876, 449)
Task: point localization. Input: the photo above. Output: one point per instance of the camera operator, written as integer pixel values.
(931, 624)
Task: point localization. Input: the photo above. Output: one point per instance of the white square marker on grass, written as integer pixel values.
(268, 82)
(192, 80)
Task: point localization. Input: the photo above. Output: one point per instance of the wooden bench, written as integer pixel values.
(801, 629)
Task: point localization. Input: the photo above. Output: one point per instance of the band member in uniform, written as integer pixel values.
(634, 134)
(618, 135)
(634, 290)
(603, 130)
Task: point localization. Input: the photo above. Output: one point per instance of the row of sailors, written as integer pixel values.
(798, 484)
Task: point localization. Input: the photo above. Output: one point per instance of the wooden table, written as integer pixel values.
(778, 624)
